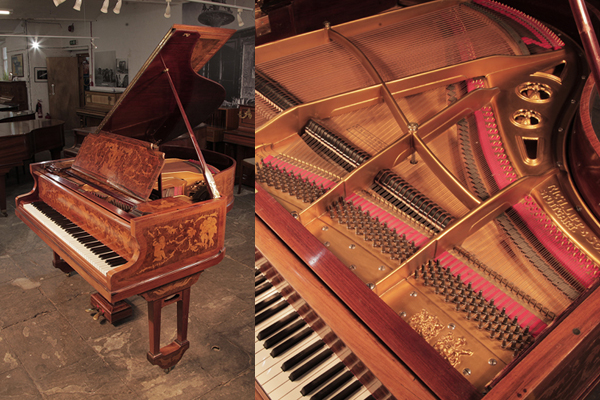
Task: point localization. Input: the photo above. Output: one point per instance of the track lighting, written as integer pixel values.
(58, 2)
(168, 10)
(117, 9)
(77, 5)
(239, 17)
(104, 8)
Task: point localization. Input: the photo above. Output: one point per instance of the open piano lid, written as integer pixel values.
(148, 110)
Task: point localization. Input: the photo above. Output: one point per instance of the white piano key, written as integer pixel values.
(362, 394)
(287, 310)
(344, 386)
(264, 295)
(267, 369)
(96, 262)
(258, 344)
(278, 387)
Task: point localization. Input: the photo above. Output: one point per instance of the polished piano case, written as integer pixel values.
(126, 219)
(412, 168)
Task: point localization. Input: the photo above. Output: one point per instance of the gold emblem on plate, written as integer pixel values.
(426, 325)
(451, 348)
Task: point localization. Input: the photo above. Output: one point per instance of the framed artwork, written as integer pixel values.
(40, 74)
(16, 61)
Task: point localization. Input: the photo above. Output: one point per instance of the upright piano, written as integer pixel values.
(126, 219)
(423, 227)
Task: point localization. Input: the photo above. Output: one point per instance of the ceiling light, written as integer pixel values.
(118, 6)
(239, 17)
(58, 2)
(4, 12)
(216, 16)
(77, 5)
(168, 10)
(35, 44)
(104, 8)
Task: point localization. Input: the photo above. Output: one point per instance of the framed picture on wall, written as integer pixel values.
(16, 61)
(40, 74)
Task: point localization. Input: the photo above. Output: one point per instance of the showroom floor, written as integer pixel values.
(51, 348)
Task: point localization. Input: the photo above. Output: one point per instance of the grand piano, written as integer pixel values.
(427, 219)
(126, 219)
(21, 137)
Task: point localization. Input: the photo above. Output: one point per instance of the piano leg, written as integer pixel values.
(112, 312)
(176, 292)
(62, 265)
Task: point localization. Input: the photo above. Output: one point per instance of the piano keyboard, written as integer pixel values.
(91, 249)
(291, 360)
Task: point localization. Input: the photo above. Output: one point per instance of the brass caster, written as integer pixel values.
(167, 370)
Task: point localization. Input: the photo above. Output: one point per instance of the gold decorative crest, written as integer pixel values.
(425, 324)
(451, 348)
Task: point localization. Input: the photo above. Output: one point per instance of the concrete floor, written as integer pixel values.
(50, 348)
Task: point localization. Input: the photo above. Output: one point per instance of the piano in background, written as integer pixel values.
(418, 230)
(124, 218)
(21, 137)
(13, 96)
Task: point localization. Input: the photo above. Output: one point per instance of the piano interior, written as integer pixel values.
(425, 148)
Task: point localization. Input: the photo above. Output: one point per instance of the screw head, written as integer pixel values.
(352, 267)
(413, 294)
(324, 228)
(451, 326)
(371, 286)
(352, 246)
(382, 267)
(326, 244)
(402, 314)
(492, 361)
(466, 372)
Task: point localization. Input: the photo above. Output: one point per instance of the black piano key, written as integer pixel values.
(310, 365)
(322, 379)
(257, 272)
(260, 280)
(301, 356)
(274, 327)
(262, 288)
(101, 250)
(348, 391)
(266, 302)
(370, 398)
(115, 262)
(283, 334)
(269, 312)
(333, 386)
(108, 256)
(291, 342)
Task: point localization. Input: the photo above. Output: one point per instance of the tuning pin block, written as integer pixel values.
(484, 314)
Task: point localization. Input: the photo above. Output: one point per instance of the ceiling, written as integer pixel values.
(46, 10)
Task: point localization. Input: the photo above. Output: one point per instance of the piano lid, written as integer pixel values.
(148, 110)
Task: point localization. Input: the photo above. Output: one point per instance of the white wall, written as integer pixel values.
(33, 58)
(135, 32)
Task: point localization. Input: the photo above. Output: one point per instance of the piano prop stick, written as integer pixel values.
(116, 218)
